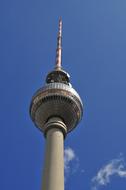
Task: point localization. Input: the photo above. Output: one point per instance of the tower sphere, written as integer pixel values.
(56, 99)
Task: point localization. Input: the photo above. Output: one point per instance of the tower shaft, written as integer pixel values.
(53, 173)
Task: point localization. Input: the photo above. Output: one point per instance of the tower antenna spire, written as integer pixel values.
(59, 47)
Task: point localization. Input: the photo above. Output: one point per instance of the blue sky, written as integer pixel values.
(94, 54)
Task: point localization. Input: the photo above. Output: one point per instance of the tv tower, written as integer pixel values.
(56, 109)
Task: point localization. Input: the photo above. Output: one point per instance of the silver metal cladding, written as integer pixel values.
(56, 99)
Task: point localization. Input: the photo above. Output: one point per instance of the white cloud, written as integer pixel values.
(69, 155)
(71, 162)
(114, 167)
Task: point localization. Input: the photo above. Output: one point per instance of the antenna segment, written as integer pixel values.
(59, 47)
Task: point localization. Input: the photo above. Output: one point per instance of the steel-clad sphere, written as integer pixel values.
(56, 99)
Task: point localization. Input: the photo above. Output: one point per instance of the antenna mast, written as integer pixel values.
(59, 47)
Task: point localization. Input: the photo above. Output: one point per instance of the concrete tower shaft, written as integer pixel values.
(53, 173)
